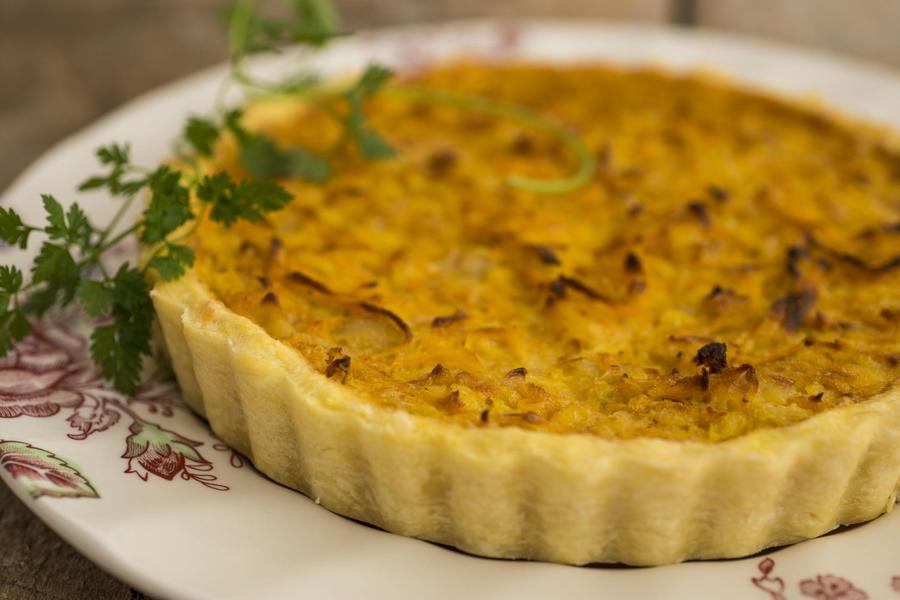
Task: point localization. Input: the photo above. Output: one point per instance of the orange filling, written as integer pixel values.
(731, 266)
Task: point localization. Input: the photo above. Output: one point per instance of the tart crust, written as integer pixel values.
(513, 493)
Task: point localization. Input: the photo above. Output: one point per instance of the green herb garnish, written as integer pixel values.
(69, 264)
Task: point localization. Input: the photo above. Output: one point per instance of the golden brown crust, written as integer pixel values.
(513, 493)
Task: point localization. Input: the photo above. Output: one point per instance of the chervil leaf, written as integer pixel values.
(120, 366)
(372, 145)
(261, 34)
(169, 205)
(316, 22)
(10, 279)
(57, 270)
(212, 187)
(299, 82)
(232, 123)
(10, 284)
(201, 134)
(93, 183)
(78, 225)
(72, 226)
(173, 263)
(56, 218)
(119, 347)
(308, 165)
(12, 230)
(56, 266)
(95, 296)
(5, 339)
(118, 158)
(263, 158)
(19, 326)
(259, 197)
(249, 199)
(371, 81)
(369, 142)
(40, 300)
(115, 154)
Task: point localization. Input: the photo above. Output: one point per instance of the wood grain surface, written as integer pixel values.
(63, 63)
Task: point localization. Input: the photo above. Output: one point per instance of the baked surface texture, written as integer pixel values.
(693, 356)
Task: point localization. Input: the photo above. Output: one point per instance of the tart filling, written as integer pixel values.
(693, 356)
(728, 269)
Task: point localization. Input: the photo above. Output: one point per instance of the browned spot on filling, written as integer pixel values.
(270, 298)
(440, 163)
(704, 379)
(517, 372)
(340, 367)
(699, 212)
(396, 320)
(451, 402)
(560, 284)
(298, 277)
(246, 246)
(888, 265)
(795, 254)
(276, 246)
(793, 308)
(713, 356)
(633, 264)
(522, 144)
(717, 193)
(546, 254)
(438, 375)
(448, 319)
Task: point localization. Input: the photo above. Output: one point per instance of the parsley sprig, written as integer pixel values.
(70, 264)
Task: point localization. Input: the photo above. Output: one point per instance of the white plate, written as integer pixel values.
(186, 518)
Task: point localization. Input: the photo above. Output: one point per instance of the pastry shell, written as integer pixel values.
(513, 493)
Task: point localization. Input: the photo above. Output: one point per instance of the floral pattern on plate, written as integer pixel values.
(42, 473)
(820, 587)
(51, 371)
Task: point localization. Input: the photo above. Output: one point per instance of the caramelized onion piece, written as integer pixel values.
(448, 319)
(302, 279)
(400, 323)
(793, 308)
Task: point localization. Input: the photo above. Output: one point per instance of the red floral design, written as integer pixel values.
(235, 459)
(36, 377)
(51, 370)
(152, 449)
(895, 583)
(43, 473)
(831, 587)
(822, 587)
(774, 586)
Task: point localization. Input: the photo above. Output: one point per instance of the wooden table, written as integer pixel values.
(63, 64)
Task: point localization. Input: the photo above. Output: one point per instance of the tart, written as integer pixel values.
(695, 355)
